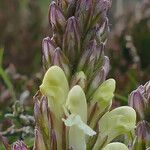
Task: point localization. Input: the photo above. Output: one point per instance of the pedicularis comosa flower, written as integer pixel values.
(72, 107)
(66, 119)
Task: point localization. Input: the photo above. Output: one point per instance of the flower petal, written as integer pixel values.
(115, 146)
(76, 120)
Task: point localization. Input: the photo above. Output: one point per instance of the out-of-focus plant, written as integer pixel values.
(5, 77)
(22, 25)
(16, 118)
(21, 30)
(129, 49)
(140, 32)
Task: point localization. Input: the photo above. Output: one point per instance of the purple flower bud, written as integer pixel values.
(102, 28)
(136, 101)
(84, 58)
(19, 145)
(140, 101)
(89, 12)
(37, 112)
(60, 60)
(102, 8)
(71, 40)
(38, 143)
(143, 131)
(84, 13)
(102, 31)
(94, 59)
(56, 18)
(43, 120)
(142, 134)
(141, 89)
(54, 140)
(98, 79)
(46, 117)
(48, 48)
(44, 108)
(96, 51)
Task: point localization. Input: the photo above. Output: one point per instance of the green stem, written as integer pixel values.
(6, 80)
(1, 56)
(121, 98)
(5, 77)
(132, 79)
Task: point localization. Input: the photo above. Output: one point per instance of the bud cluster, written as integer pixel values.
(79, 37)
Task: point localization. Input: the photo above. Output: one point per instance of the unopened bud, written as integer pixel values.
(99, 76)
(92, 59)
(142, 134)
(43, 120)
(136, 100)
(85, 18)
(56, 18)
(37, 113)
(102, 8)
(48, 48)
(71, 40)
(143, 131)
(98, 79)
(60, 60)
(80, 79)
(38, 143)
